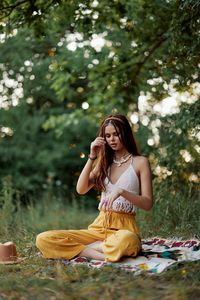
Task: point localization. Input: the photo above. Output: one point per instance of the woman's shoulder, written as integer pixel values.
(140, 159)
(141, 162)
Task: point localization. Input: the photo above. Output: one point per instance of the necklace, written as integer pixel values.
(121, 161)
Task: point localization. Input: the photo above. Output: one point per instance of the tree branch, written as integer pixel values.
(13, 6)
(10, 8)
(150, 52)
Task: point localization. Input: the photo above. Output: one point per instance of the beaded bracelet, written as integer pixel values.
(92, 158)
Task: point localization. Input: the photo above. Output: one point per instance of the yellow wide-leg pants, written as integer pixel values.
(118, 231)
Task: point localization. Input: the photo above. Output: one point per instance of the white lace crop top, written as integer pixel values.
(129, 181)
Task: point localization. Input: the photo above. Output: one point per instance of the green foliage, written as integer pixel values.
(180, 133)
(45, 84)
(39, 159)
(7, 207)
(175, 211)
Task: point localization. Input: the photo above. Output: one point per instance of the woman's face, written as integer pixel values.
(113, 138)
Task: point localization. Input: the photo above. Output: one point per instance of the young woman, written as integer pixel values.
(123, 176)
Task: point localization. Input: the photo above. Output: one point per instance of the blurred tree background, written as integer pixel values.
(64, 65)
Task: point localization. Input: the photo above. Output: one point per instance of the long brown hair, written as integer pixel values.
(105, 159)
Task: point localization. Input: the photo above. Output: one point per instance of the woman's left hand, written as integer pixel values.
(108, 201)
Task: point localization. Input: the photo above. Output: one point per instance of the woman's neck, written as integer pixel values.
(121, 158)
(121, 154)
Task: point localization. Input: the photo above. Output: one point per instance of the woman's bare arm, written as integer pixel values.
(86, 178)
(85, 181)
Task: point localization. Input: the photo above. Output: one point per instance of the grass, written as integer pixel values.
(40, 279)
(37, 278)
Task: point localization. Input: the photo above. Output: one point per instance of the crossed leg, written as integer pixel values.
(68, 244)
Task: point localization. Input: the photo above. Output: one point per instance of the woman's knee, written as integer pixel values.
(122, 243)
(129, 240)
(127, 235)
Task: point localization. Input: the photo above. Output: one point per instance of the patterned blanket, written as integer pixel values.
(157, 254)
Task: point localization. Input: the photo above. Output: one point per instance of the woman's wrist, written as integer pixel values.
(92, 157)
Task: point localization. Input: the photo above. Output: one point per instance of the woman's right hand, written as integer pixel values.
(96, 146)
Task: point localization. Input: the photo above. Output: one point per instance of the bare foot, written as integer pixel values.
(92, 253)
(97, 246)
